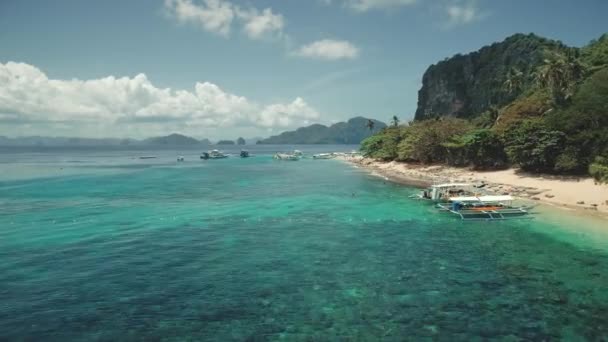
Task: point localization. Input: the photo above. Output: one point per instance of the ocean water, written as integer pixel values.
(97, 245)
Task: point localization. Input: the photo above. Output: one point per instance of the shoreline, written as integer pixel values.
(563, 192)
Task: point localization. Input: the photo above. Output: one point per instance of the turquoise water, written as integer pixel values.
(96, 245)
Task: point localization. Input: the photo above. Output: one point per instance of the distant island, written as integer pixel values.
(174, 139)
(351, 132)
(169, 140)
(225, 142)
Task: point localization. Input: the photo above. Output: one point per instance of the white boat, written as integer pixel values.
(484, 208)
(323, 156)
(297, 153)
(213, 154)
(441, 192)
(285, 156)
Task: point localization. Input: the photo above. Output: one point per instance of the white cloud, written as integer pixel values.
(328, 49)
(368, 5)
(28, 96)
(218, 16)
(258, 25)
(212, 15)
(281, 115)
(461, 13)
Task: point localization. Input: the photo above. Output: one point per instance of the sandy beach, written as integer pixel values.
(579, 193)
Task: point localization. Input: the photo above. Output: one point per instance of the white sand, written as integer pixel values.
(557, 190)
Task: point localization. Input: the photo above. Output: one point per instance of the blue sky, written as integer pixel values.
(261, 66)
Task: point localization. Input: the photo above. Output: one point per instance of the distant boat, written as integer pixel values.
(297, 153)
(213, 154)
(180, 159)
(286, 156)
(323, 156)
(244, 154)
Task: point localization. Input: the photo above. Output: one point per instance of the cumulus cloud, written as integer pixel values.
(27, 95)
(328, 49)
(219, 16)
(368, 5)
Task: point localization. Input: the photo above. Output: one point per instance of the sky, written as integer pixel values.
(227, 68)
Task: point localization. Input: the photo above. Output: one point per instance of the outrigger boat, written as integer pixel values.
(484, 208)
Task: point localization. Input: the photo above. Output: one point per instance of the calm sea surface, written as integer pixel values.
(100, 245)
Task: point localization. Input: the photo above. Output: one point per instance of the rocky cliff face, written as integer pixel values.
(467, 85)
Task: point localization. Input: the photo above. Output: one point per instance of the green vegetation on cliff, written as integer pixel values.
(527, 101)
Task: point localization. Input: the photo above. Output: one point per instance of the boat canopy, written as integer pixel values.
(482, 199)
(451, 185)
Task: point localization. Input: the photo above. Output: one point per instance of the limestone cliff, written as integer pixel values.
(467, 85)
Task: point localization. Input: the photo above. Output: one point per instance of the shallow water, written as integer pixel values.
(96, 245)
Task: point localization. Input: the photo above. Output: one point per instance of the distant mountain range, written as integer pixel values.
(351, 132)
(175, 140)
(169, 140)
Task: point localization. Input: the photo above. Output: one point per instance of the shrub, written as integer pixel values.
(424, 141)
(382, 145)
(534, 147)
(599, 169)
(481, 148)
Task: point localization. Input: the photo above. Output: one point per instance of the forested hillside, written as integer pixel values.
(527, 101)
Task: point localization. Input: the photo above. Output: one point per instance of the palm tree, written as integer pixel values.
(370, 124)
(560, 75)
(395, 121)
(514, 81)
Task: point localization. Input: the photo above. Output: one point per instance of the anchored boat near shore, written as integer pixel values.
(469, 202)
(324, 156)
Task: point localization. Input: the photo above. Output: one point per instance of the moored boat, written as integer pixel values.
(323, 156)
(180, 159)
(286, 156)
(213, 154)
(244, 154)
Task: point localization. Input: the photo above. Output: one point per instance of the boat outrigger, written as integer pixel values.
(484, 208)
